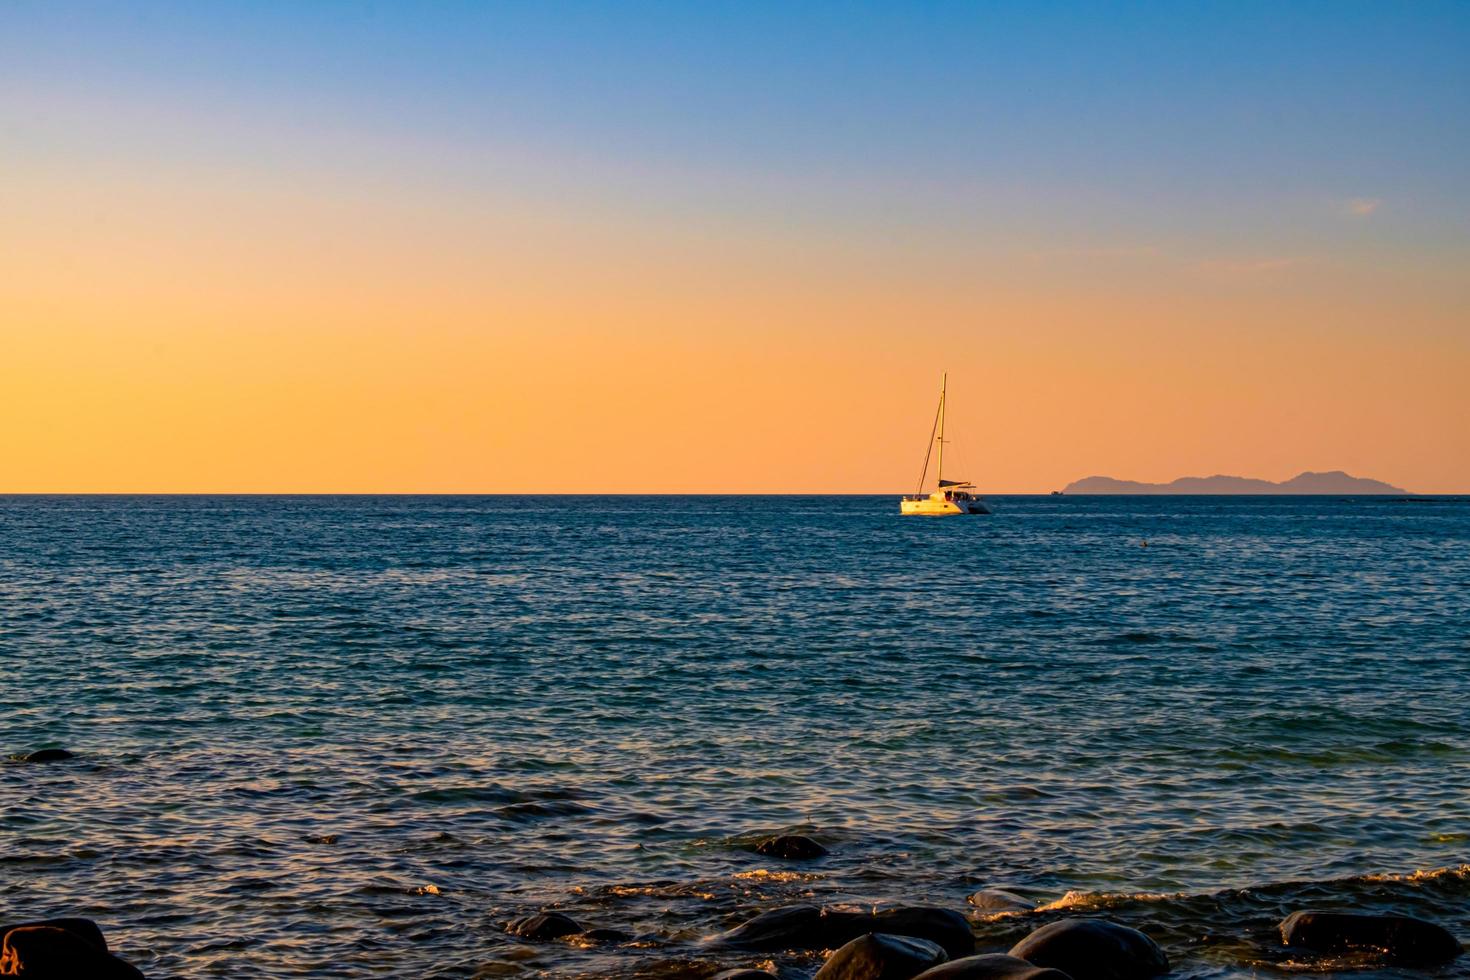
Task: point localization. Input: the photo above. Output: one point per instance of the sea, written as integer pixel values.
(355, 736)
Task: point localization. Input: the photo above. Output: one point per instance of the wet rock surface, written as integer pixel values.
(1398, 939)
(544, 926)
(1093, 949)
(999, 900)
(991, 966)
(792, 927)
(44, 755)
(812, 927)
(792, 847)
(880, 956)
(84, 928)
(60, 949)
(948, 929)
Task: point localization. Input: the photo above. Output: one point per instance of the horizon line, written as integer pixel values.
(674, 493)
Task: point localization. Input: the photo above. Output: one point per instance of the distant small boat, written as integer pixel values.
(948, 496)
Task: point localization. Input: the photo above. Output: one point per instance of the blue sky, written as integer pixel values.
(1345, 97)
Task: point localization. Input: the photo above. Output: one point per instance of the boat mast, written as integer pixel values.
(943, 386)
(929, 446)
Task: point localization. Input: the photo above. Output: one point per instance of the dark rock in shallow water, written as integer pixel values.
(1396, 938)
(1000, 900)
(743, 974)
(790, 846)
(60, 949)
(544, 925)
(45, 755)
(948, 929)
(792, 927)
(810, 927)
(85, 928)
(880, 956)
(991, 966)
(1093, 949)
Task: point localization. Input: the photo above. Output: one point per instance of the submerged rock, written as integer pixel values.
(60, 949)
(810, 927)
(949, 929)
(991, 966)
(1093, 949)
(544, 926)
(792, 927)
(793, 847)
(880, 956)
(45, 755)
(1396, 938)
(605, 936)
(1000, 900)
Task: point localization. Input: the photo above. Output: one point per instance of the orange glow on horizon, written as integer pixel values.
(186, 333)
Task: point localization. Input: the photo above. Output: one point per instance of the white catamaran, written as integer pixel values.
(949, 496)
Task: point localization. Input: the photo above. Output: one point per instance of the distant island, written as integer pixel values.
(1335, 482)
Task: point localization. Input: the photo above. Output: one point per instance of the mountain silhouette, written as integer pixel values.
(1334, 482)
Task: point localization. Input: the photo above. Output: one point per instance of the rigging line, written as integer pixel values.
(930, 450)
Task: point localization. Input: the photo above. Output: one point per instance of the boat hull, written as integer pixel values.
(929, 507)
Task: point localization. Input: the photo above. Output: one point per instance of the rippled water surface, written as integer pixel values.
(347, 737)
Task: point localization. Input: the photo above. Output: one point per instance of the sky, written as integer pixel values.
(730, 247)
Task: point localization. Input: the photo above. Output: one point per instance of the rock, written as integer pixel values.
(61, 949)
(791, 927)
(743, 974)
(1093, 949)
(605, 936)
(991, 966)
(1397, 938)
(1000, 900)
(949, 930)
(45, 755)
(544, 926)
(793, 847)
(810, 927)
(85, 928)
(880, 956)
